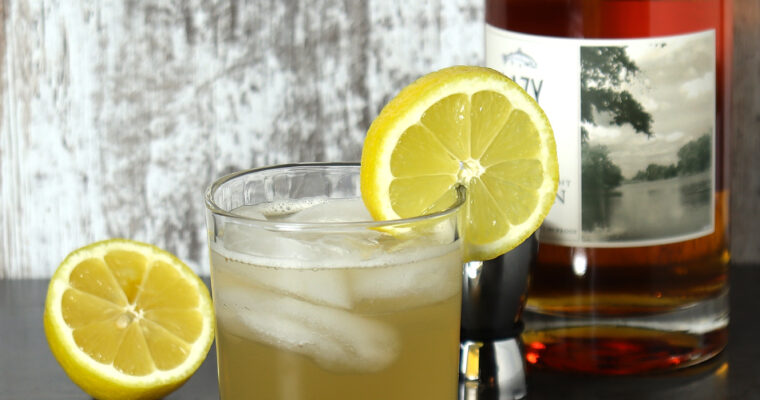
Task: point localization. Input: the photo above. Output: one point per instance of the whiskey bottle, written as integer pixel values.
(631, 275)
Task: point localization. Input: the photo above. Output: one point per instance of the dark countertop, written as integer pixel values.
(29, 371)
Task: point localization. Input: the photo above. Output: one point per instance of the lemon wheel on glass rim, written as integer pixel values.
(469, 126)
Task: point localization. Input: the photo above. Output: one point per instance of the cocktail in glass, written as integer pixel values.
(315, 300)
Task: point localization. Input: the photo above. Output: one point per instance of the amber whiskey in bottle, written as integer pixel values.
(631, 275)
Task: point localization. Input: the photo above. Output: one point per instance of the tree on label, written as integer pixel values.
(695, 156)
(603, 70)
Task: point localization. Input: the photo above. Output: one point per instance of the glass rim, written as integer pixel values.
(298, 226)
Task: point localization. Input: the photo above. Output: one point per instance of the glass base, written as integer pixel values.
(492, 370)
(610, 345)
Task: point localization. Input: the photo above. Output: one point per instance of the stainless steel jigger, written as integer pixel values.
(493, 296)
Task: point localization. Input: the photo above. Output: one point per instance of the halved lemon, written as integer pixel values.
(127, 320)
(469, 126)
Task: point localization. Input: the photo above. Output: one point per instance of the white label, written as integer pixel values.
(634, 122)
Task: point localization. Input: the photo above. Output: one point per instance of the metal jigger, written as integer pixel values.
(493, 295)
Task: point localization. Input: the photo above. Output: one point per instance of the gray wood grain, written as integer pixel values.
(745, 166)
(116, 115)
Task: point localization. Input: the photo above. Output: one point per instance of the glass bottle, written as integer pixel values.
(631, 275)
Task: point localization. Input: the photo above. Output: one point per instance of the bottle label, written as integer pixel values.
(634, 122)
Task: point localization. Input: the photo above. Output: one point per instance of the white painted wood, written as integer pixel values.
(116, 115)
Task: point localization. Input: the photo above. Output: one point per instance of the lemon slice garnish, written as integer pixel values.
(469, 126)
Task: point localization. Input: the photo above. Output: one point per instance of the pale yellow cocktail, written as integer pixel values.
(312, 304)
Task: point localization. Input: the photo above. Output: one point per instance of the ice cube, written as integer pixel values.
(429, 279)
(329, 248)
(346, 249)
(335, 339)
(319, 286)
(334, 210)
(245, 238)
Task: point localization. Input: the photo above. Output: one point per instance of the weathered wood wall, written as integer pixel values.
(116, 115)
(745, 165)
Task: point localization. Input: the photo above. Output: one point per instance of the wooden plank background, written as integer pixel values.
(116, 115)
